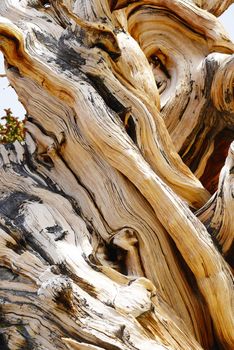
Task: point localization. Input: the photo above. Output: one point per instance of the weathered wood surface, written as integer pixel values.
(108, 238)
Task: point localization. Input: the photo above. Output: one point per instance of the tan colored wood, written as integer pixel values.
(109, 236)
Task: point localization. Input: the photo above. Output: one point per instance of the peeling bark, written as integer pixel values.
(116, 228)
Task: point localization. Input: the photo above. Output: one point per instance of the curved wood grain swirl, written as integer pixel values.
(108, 238)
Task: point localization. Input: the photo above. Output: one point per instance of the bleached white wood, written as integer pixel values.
(108, 238)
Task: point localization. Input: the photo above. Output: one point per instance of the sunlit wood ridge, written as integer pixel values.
(116, 215)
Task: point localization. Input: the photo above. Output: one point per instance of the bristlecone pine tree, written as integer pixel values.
(116, 220)
(13, 129)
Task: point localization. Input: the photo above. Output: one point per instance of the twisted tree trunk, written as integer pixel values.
(116, 229)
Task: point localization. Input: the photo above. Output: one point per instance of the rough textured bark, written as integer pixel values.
(116, 229)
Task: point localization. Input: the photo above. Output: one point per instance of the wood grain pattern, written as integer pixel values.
(116, 224)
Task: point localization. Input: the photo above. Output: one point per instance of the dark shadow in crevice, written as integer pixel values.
(210, 177)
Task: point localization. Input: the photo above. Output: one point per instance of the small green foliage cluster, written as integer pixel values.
(13, 129)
